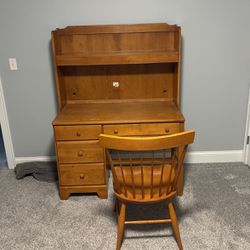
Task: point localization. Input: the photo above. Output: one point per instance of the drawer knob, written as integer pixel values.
(167, 130)
(78, 133)
(116, 131)
(81, 176)
(80, 153)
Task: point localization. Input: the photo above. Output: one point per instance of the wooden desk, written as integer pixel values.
(89, 62)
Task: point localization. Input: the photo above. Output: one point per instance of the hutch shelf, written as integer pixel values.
(113, 79)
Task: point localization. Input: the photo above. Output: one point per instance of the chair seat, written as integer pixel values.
(140, 189)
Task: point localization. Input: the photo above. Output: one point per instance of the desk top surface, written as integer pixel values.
(119, 112)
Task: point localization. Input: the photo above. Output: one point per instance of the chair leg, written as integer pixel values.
(121, 221)
(175, 224)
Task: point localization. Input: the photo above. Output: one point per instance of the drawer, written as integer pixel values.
(79, 152)
(82, 174)
(84, 132)
(142, 129)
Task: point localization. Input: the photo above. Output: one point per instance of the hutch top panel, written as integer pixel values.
(117, 63)
(116, 44)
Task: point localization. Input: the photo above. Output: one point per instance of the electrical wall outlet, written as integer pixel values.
(12, 63)
(116, 84)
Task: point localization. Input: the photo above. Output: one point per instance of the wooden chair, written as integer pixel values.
(146, 170)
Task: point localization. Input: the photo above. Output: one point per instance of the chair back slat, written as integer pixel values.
(162, 172)
(150, 170)
(152, 175)
(151, 181)
(122, 173)
(132, 174)
(146, 143)
(123, 181)
(142, 179)
(172, 169)
(112, 166)
(182, 152)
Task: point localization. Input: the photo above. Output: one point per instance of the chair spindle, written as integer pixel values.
(162, 172)
(132, 174)
(123, 177)
(142, 179)
(152, 175)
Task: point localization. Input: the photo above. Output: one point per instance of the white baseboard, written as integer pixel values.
(191, 157)
(35, 158)
(214, 156)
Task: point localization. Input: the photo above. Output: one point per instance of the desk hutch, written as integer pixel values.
(112, 79)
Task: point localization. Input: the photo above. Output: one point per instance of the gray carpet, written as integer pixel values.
(214, 213)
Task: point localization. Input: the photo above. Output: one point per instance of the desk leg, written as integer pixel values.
(103, 194)
(64, 194)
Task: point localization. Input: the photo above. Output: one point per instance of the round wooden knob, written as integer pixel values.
(81, 176)
(78, 133)
(116, 131)
(80, 153)
(167, 130)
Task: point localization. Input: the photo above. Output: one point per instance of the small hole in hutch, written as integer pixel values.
(164, 91)
(74, 93)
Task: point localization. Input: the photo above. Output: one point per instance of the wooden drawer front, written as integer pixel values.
(77, 132)
(82, 174)
(79, 152)
(142, 129)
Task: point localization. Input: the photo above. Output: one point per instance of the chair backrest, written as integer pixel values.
(146, 168)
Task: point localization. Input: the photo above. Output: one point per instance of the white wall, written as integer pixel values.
(215, 70)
